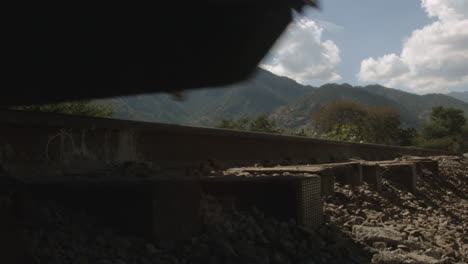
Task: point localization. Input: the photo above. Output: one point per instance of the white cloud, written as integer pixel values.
(446, 9)
(302, 55)
(434, 58)
(329, 26)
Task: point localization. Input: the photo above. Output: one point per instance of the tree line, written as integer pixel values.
(344, 120)
(83, 108)
(347, 120)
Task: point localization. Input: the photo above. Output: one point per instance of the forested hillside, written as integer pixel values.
(414, 109)
(463, 96)
(291, 104)
(261, 94)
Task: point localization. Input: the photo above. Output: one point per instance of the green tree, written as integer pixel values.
(84, 108)
(302, 132)
(341, 120)
(239, 124)
(447, 130)
(407, 136)
(383, 125)
(261, 123)
(338, 115)
(344, 132)
(351, 121)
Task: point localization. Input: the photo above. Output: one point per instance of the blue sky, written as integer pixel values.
(418, 46)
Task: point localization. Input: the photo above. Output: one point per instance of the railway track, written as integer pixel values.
(147, 179)
(62, 157)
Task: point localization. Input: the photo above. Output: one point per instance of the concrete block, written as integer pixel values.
(327, 182)
(282, 197)
(371, 173)
(326, 174)
(425, 163)
(403, 174)
(347, 173)
(430, 165)
(309, 204)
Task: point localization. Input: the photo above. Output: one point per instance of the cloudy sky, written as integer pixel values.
(419, 46)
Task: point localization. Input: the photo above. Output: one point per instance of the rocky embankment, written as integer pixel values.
(396, 226)
(362, 226)
(60, 236)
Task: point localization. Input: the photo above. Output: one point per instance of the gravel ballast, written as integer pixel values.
(397, 226)
(361, 226)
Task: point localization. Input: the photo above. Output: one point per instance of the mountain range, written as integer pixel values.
(463, 96)
(414, 109)
(262, 93)
(288, 102)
